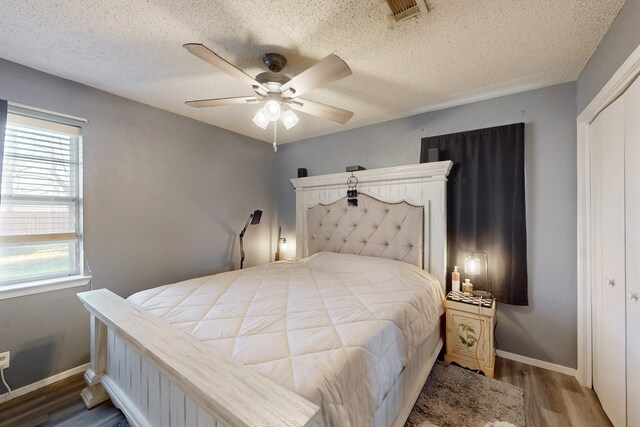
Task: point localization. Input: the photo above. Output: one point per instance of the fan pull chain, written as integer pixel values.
(275, 137)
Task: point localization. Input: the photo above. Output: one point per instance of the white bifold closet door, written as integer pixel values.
(615, 241)
(632, 188)
(608, 241)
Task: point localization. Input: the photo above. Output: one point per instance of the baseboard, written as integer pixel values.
(538, 363)
(43, 383)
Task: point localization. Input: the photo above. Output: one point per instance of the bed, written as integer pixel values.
(344, 335)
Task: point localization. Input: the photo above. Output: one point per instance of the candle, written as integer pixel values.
(467, 286)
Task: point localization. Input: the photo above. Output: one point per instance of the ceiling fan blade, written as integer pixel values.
(328, 112)
(328, 70)
(207, 55)
(216, 102)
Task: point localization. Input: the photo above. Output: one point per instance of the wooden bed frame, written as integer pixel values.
(161, 376)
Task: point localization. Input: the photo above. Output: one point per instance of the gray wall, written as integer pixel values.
(546, 329)
(164, 198)
(620, 41)
(165, 195)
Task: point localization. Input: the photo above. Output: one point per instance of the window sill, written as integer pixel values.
(42, 286)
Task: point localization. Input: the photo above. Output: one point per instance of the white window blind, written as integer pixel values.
(40, 205)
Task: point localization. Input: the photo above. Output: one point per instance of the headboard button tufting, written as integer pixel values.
(374, 229)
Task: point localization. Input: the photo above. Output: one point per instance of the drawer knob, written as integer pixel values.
(611, 283)
(633, 296)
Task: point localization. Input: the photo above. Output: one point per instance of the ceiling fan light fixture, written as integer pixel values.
(272, 110)
(260, 119)
(289, 119)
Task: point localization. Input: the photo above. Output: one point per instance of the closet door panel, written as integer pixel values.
(632, 188)
(599, 367)
(609, 299)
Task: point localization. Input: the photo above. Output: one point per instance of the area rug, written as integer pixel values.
(456, 397)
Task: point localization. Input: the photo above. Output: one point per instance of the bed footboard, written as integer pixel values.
(158, 375)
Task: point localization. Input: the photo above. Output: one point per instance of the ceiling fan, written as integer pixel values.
(278, 93)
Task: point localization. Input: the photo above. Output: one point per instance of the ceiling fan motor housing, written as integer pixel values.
(268, 77)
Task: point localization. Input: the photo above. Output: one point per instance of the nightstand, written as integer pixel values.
(469, 340)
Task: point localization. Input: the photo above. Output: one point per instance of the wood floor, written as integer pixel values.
(551, 399)
(55, 405)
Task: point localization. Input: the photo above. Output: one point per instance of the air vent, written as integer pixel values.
(403, 9)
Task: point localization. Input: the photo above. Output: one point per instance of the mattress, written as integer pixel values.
(335, 328)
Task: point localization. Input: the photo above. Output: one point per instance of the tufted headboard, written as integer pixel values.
(373, 228)
(401, 214)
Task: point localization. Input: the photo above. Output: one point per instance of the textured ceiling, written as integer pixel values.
(460, 51)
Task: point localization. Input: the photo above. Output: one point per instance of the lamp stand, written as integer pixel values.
(241, 242)
(277, 257)
(486, 268)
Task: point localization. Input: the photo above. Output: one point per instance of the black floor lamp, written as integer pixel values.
(254, 219)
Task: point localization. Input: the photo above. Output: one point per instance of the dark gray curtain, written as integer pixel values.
(486, 206)
(3, 125)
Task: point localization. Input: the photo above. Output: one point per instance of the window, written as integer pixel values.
(40, 204)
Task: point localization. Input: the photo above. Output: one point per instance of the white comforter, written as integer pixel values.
(335, 328)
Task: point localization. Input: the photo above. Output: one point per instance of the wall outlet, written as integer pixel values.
(4, 359)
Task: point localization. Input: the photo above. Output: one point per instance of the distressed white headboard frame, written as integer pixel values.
(420, 185)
